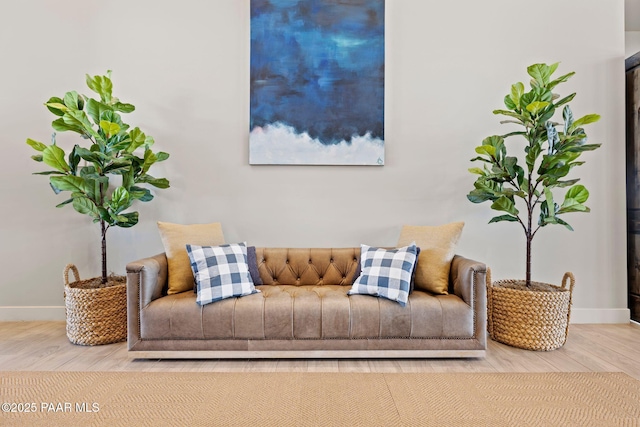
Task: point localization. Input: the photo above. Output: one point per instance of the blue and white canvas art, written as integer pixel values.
(317, 82)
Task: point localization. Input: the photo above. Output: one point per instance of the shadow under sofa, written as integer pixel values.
(303, 311)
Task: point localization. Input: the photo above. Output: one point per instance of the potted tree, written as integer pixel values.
(96, 308)
(524, 313)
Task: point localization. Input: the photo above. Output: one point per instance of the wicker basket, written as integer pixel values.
(96, 313)
(532, 319)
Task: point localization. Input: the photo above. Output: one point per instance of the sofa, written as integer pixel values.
(303, 310)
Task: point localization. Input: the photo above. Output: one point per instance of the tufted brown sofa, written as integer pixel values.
(303, 310)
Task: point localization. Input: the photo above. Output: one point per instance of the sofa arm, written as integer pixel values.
(468, 279)
(148, 278)
(146, 281)
(465, 274)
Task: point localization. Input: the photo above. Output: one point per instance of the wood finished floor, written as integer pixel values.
(43, 346)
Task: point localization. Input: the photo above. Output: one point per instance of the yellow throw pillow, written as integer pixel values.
(437, 247)
(175, 238)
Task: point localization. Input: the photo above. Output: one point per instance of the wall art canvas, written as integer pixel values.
(317, 82)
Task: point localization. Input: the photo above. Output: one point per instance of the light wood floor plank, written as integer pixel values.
(37, 346)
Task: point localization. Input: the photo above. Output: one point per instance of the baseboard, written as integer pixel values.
(26, 313)
(600, 315)
(578, 315)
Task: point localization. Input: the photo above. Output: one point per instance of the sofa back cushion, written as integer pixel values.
(308, 266)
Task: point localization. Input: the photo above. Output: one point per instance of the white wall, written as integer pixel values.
(185, 65)
(632, 43)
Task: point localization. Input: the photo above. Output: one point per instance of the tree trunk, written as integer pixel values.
(104, 251)
(529, 238)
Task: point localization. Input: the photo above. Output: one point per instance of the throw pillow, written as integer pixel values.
(386, 272)
(356, 274)
(220, 272)
(252, 260)
(438, 245)
(174, 239)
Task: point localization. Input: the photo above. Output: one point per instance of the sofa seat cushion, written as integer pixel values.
(307, 312)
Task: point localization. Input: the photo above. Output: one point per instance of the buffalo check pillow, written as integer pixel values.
(386, 272)
(220, 272)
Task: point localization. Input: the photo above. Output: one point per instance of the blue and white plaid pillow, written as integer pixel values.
(386, 272)
(220, 272)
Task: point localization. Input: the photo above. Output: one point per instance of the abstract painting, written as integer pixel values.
(317, 82)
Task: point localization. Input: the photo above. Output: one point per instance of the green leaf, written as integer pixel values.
(95, 109)
(508, 102)
(73, 101)
(536, 106)
(109, 128)
(487, 150)
(90, 156)
(74, 159)
(565, 100)
(541, 73)
(504, 218)
(60, 126)
(162, 156)
(589, 118)
(128, 179)
(120, 200)
(517, 90)
(75, 184)
(55, 100)
(505, 204)
(86, 207)
(122, 107)
(101, 85)
(519, 133)
(517, 116)
(561, 222)
(149, 159)
(37, 157)
(561, 79)
(118, 164)
(549, 202)
(139, 193)
(38, 146)
(548, 114)
(509, 165)
(572, 205)
(49, 173)
(127, 220)
(567, 183)
(137, 140)
(54, 156)
(479, 196)
(578, 192)
(533, 153)
(66, 202)
(79, 122)
(149, 141)
(156, 182)
(477, 171)
(581, 148)
(57, 106)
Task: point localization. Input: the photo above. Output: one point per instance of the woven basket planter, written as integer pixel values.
(96, 313)
(535, 318)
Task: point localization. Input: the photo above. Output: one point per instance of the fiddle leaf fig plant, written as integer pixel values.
(520, 192)
(109, 148)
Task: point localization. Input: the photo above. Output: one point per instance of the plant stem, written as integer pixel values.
(529, 239)
(529, 236)
(104, 228)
